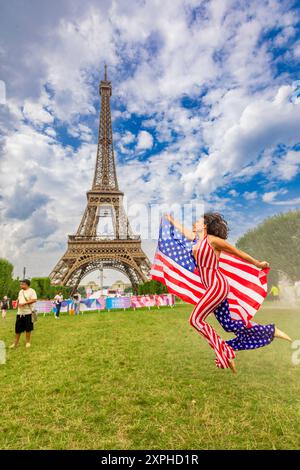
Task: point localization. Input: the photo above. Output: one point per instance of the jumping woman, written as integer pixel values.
(209, 241)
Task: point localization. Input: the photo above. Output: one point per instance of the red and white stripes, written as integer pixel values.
(216, 290)
(248, 284)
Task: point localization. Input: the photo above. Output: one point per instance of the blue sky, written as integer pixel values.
(204, 107)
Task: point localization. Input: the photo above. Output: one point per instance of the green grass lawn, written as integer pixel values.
(146, 379)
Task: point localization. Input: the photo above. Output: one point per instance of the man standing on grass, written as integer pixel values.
(27, 296)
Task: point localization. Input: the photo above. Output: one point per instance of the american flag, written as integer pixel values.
(174, 265)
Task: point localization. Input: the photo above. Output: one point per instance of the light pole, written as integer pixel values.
(101, 277)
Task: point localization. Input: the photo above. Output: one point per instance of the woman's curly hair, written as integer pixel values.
(216, 224)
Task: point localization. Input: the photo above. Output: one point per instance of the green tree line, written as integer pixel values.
(152, 287)
(42, 285)
(277, 241)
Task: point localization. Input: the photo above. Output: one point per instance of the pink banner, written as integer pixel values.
(44, 306)
(165, 299)
(152, 300)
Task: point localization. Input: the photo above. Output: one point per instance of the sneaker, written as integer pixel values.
(27, 345)
(12, 346)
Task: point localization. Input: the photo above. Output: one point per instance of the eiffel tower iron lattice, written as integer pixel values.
(89, 250)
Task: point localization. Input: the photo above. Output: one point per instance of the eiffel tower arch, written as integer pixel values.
(114, 246)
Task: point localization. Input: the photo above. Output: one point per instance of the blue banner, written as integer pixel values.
(117, 302)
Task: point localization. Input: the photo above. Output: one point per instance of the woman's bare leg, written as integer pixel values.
(280, 334)
(232, 365)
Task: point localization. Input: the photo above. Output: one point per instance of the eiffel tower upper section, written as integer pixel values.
(105, 180)
(105, 177)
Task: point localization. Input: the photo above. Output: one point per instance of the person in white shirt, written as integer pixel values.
(58, 301)
(27, 296)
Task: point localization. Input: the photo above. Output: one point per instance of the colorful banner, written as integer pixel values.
(117, 302)
(44, 306)
(165, 299)
(143, 301)
(92, 304)
(158, 300)
(66, 305)
(102, 303)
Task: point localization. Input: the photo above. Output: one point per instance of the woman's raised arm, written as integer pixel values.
(186, 232)
(223, 245)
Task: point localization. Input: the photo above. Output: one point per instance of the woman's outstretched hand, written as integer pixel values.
(262, 264)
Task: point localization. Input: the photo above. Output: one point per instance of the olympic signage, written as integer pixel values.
(117, 302)
(109, 303)
(154, 300)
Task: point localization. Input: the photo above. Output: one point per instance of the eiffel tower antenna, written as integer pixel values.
(104, 238)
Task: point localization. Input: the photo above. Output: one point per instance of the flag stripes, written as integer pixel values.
(174, 266)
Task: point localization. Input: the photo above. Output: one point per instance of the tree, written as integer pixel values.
(276, 240)
(42, 287)
(128, 290)
(6, 270)
(152, 287)
(65, 290)
(14, 289)
(81, 290)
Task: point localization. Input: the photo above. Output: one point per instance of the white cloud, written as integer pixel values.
(288, 166)
(50, 131)
(123, 142)
(296, 50)
(284, 36)
(128, 138)
(262, 124)
(289, 202)
(81, 132)
(145, 141)
(250, 195)
(270, 196)
(37, 114)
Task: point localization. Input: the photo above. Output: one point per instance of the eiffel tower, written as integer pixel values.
(90, 250)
